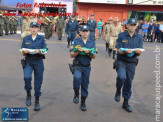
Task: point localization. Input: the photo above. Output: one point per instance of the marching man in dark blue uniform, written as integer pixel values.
(71, 28)
(91, 23)
(33, 48)
(82, 50)
(129, 46)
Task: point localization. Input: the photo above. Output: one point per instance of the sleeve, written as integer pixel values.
(94, 51)
(121, 29)
(95, 24)
(72, 46)
(108, 32)
(95, 47)
(23, 44)
(142, 26)
(44, 44)
(141, 42)
(66, 28)
(105, 31)
(23, 26)
(77, 25)
(87, 23)
(119, 42)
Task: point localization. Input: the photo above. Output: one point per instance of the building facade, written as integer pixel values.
(104, 9)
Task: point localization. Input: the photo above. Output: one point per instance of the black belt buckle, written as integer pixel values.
(85, 65)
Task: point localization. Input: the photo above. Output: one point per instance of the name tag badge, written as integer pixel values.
(28, 43)
(125, 41)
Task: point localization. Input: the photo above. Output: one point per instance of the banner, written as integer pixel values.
(104, 1)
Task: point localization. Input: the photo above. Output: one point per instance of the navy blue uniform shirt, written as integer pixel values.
(38, 43)
(125, 41)
(83, 59)
(92, 25)
(72, 26)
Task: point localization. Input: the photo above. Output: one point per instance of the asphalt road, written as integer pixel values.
(57, 93)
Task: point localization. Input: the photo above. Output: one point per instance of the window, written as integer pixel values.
(130, 1)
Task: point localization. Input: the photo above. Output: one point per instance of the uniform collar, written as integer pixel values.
(126, 33)
(37, 37)
(88, 40)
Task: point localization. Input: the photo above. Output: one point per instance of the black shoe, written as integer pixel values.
(114, 52)
(109, 51)
(83, 107)
(126, 106)
(37, 107)
(76, 100)
(76, 97)
(107, 46)
(117, 95)
(68, 46)
(28, 99)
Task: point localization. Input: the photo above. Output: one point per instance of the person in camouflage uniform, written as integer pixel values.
(1, 24)
(6, 24)
(60, 26)
(26, 27)
(51, 25)
(46, 21)
(11, 24)
(21, 20)
(15, 24)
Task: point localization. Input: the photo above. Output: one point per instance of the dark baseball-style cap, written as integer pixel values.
(34, 24)
(84, 27)
(132, 21)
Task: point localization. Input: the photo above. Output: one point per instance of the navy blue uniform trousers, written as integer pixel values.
(125, 76)
(38, 67)
(82, 78)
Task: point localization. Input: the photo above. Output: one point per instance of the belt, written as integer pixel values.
(92, 31)
(129, 61)
(84, 65)
(34, 57)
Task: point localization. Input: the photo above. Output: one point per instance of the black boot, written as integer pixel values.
(83, 106)
(107, 46)
(28, 98)
(76, 96)
(37, 105)
(68, 45)
(126, 106)
(118, 95)
(114, 52)
(109, 51)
